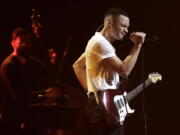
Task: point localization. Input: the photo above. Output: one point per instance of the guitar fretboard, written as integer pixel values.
(138, 90)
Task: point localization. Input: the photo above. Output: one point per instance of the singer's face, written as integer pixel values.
(120, 27)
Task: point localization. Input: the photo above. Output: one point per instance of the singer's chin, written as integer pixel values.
(121, 37)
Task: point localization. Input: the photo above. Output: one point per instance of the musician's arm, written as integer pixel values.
(80, 70)
(124, 67)
(6, 75)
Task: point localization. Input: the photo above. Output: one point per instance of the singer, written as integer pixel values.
(99, 68)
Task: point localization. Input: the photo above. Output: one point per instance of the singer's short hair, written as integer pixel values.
(114, 12)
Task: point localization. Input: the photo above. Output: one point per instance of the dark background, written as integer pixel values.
(80, 19)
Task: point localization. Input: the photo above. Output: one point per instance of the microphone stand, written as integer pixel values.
(144, 86)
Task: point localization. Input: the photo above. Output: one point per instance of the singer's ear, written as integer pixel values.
(108, 20)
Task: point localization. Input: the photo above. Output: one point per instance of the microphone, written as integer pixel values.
(151, 38)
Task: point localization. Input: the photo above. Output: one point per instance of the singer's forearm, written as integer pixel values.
(131, 59)
(80, 70)
(81, 76)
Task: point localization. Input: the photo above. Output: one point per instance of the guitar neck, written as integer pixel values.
(138, 90)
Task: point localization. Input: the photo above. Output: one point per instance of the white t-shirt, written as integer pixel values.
(98, 76)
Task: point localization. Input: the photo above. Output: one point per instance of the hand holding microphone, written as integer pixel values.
(138, 38)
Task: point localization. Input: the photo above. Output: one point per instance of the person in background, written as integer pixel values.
(20, 75)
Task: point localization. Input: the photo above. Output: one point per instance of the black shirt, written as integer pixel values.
(18, 81)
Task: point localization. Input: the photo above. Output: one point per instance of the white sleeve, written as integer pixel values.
(103, 50)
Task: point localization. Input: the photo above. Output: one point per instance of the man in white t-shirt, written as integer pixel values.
(99, 68)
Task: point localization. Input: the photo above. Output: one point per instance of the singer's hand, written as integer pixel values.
(137, 38)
